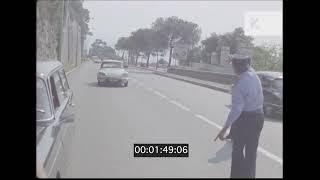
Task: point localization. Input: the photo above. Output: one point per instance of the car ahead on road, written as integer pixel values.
(96, 59)
(112, 71)
(272, 84)
(55, 116)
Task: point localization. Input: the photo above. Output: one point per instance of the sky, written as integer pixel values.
(114, 19)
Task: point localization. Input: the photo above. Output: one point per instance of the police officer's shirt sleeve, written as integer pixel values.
(238, 93)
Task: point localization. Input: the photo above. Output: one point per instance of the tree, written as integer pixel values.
(267, 58)
(146, 38)
(147, 41)
(176, 29)
(234, 40)
(159, 45)
(121, 45)
(139, 43)
(210, 45)
(99, 48)
(194, 55)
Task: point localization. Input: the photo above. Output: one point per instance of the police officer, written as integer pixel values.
(246, 117)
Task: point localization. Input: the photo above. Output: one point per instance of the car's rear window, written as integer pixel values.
(111, 65)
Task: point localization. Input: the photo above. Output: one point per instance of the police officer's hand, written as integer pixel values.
(221, 134)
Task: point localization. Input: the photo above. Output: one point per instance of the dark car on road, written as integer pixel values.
(272, 84)
(55, 116)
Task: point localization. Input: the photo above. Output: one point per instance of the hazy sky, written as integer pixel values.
(113, 19)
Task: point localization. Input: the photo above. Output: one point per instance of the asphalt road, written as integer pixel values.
(156, 109)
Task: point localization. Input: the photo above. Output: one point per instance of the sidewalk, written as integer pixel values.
(199, 82)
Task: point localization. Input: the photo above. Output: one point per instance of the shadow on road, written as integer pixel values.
(223, 154)
(109, 85)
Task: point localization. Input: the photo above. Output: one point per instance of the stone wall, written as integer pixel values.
(46, 36)
(58, 35)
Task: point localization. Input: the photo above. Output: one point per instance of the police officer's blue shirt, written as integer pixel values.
(247, 95)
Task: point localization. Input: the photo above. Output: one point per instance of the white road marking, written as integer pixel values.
(159, 94)
(150, 89)
(260, 149)
(208, 121)
(180, 105)
(270, 155)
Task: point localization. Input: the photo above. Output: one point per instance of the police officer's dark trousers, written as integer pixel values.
(246, 133)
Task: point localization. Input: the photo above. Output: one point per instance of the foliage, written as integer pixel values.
(99, 48)
(267, 58)
(177, 30)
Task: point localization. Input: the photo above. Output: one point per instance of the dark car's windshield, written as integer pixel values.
(43, 106)
(111, 65)
(278, 84)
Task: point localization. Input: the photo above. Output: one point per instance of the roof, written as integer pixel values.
(45, 67)
(272, 74)
(111, 60)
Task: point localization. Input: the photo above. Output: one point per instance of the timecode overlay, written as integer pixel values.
(160, 150)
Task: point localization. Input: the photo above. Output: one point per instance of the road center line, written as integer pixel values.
(260, 149)
(159, 94)
(208, 121)
(179, 105)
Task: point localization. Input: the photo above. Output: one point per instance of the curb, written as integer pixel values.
(190, 81)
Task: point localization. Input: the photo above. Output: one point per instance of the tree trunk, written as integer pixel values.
(170, 56)
(148, 59)
(137, 59)
(128, 52)
(122, 55)
(157, 61)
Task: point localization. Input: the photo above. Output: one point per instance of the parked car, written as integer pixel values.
(112, 71)
(272, 84)
(55, 118)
